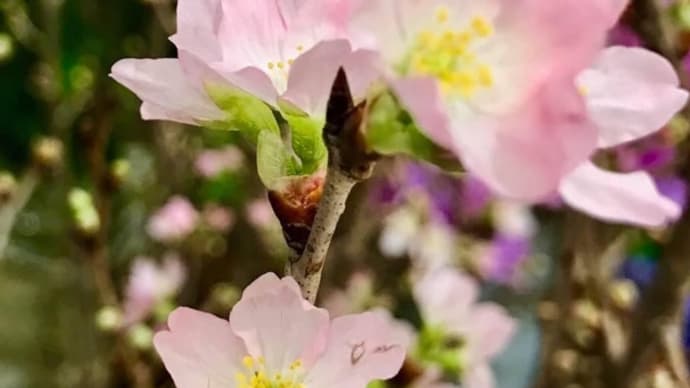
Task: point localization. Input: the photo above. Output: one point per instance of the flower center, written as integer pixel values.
(448, 53)
(256, 375)
(279, 70)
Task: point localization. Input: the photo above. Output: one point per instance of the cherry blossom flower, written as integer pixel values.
(275, 338)
(631, 93)
(494, 80)
(448, 303)
(260, 214)
(151, 283)
(283, 52)
(211, 163)
(219, 218)
(174, 221)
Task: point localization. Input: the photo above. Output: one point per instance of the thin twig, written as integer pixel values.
(349, 162)
(307, 270)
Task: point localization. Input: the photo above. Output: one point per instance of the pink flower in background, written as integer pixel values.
(260, 214)
(211, 163)
(174, 221)
(276, 338)
(631, 93)
(283, 52)
(448, 300)
(151, 283)
(219, 218)
(494, 80)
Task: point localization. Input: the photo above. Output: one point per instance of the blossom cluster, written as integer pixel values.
(524, 99)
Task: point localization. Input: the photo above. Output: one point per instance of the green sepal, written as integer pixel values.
(274, 159)
(392, 131)
(245, 113)
(307, 142)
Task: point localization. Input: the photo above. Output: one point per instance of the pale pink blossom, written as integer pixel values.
(276, 337)
(447, 299)
(284, 52)
(210, 163)
(631, 93)
(260, 214)
(219, 218)
(174, 221)
(151, 283)
(494, 80)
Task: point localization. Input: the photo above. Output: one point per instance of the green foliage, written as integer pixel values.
(392, 131)
(245, 113)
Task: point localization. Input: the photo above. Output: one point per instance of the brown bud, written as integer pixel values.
(295, 202)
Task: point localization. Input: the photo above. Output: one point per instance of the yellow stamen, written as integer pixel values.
(442, 15)
(482, 27)
(449, 55)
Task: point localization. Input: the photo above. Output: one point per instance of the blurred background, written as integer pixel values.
(107, 222)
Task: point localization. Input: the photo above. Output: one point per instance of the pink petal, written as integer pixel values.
(151, 111)
(631, 92)
(525, 154)
(278, 325)
(627, 198)
(252, 80)
(199, 350)
(422, 98)
(310, 90)
(270, 283)
(361, 348)
(479, 376)
(163, 85)
(445, 296)
(197, 28)
(490, 331)
(552, 42)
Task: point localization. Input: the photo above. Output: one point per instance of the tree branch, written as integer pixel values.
(349, 162)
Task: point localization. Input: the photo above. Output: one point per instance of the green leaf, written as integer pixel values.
(391, 131)
(307, 142)
(245, 113)
(274, 159)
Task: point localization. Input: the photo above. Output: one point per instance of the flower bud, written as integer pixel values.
(140, 336)
(48, 153)
(109, 318)
(84, 212)
(119, 171)
(8, 186)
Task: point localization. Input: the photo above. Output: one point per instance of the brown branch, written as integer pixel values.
(349, 162)
(96, 134)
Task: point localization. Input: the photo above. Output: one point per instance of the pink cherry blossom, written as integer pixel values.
(448, 300)
(174, 221)
(494, 80)
(267, 48)
(151, 283)
(219, 218)
(275, 337)
(210, 163)
(260, 214)
(631, 93)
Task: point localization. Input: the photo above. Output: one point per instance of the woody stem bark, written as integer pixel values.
(349, 162)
